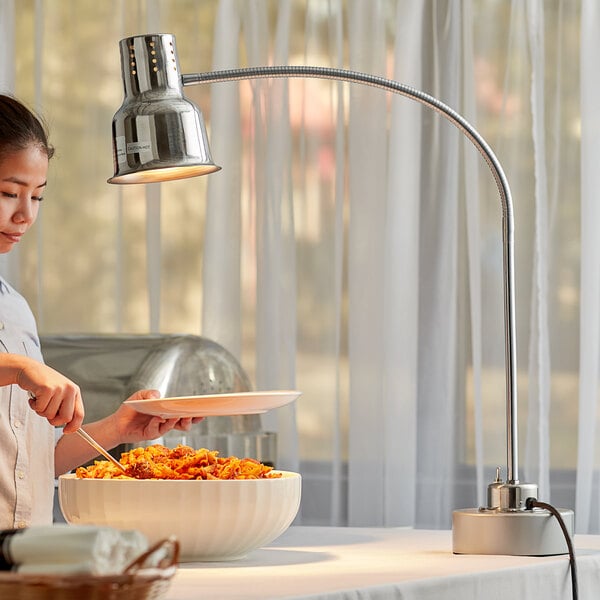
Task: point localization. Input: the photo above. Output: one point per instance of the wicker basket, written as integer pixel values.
(137, 582)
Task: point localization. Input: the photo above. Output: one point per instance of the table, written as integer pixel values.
(351, 563)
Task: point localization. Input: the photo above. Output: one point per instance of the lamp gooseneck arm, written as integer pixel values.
(501, 182)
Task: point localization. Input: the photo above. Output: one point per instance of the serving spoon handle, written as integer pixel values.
(92, 442)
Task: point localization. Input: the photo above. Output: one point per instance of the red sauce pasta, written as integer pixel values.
(182, 462)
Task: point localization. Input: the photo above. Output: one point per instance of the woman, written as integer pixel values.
(34, 399)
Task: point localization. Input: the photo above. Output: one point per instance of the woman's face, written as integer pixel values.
(22, 181)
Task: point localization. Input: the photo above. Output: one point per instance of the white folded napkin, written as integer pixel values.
(72, 549)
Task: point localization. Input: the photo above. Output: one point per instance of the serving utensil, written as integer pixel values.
(92, 442)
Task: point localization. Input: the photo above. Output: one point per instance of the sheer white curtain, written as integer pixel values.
(425, 389)
(399, 229)
(351, 245)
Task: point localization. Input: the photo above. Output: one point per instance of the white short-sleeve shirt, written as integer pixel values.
(26, 440)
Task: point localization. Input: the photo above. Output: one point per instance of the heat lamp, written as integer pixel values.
(159, 135)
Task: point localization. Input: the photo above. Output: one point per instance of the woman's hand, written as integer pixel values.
(54, 396)
(132, 426)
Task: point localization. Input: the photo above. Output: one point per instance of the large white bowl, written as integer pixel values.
(212, 519)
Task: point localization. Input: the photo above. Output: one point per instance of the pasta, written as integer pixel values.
(182, 462)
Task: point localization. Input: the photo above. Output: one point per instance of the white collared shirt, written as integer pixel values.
(26, 440)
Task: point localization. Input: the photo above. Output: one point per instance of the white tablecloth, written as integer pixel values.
(338, 563)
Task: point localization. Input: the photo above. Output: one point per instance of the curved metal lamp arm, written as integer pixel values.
(495, 167)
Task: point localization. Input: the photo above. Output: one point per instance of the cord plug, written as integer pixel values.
(530, 503)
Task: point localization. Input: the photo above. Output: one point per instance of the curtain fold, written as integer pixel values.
(275, 268)
(333, 297)
(221, 274)
(438, 308)
(537, 467)
(589, 349)
(401, 276)
(474, 246)
(367, 194)
(153, 250)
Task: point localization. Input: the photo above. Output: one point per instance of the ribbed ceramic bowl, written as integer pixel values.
(213, 520)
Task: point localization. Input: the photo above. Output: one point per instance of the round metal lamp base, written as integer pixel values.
(520, 533)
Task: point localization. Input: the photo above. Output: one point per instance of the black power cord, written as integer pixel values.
(532, 503)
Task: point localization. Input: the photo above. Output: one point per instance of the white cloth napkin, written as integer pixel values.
(74, 549)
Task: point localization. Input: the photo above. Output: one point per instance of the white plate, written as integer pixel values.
(241, 403)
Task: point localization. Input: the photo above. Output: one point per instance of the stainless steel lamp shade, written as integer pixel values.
(157, 133)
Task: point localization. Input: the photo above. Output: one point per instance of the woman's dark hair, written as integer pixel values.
(21, 128)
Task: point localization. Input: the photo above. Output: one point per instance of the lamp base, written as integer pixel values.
(517, 533)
